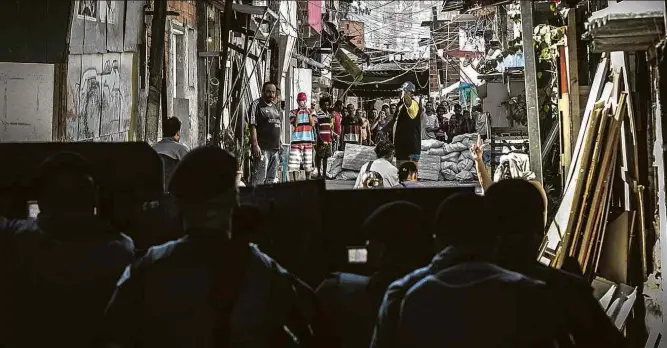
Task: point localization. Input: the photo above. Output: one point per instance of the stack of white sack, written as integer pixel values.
(456, 163)
(335, 168)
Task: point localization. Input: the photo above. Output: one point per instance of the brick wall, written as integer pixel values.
(186, 8)
(188, 20)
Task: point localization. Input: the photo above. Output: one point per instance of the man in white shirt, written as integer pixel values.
(382, 166)
(170, 149)
(170, 144)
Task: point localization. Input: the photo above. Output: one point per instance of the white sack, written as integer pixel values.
(454, 147)
(465, 165)
(347, 175)
(448, 174)
(431, 144)
(465, 176)
(334, 166)
(466, 155)
(465, 138)
(437, 151)
(450, 157)
(453, 166)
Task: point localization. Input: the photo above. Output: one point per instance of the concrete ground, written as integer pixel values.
(348, 184)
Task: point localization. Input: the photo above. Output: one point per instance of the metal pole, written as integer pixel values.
(532, 101)
(226, 27)
(155, 70)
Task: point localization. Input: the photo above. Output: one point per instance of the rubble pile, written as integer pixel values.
(456, 163)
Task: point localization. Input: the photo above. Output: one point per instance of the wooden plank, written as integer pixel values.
(356, 156)
(590, 177)
(564, 219)
(595, 170)
(611, 146)
(573, 71)
(429, 167)
(601, 222)
(565, 123)
(597, 87)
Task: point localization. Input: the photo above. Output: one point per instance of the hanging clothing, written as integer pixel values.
(481, 123)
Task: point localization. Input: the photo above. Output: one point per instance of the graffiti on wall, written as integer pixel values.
(106, 11)
(100, 96)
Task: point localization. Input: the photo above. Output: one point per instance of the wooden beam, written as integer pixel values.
(155, 74)
(573, 72)
(203, 108)
(532, 100)
(565, 119)
(222, 73)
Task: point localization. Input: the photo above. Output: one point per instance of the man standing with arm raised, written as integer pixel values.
(407, 127)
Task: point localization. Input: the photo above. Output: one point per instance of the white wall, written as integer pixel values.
(182, 81)
(26, 102)
(497, 94)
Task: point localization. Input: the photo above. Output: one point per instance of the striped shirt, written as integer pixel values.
(324, 124)
(303, 131)
(351, 130)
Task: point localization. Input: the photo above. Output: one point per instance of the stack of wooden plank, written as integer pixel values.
(579, 226)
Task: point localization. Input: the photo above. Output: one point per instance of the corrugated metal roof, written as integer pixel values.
(631, 25)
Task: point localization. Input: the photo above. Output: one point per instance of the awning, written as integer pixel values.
(451, 88)
(631, 25)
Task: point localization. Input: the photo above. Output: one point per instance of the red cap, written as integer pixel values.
(301, 96)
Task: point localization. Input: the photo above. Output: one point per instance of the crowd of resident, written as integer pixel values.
(320, 129)
(73, 280)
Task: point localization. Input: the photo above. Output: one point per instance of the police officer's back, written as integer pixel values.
(520, 236)
(60, 269)
(204, 290)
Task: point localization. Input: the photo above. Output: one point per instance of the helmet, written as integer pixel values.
(301, 96)
(408, 87)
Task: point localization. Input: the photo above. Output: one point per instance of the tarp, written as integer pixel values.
(451, 88)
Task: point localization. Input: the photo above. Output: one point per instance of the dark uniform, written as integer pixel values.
(205, 289)
(586, 321)
(447, 303)
(58, 280)
(193, 293)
